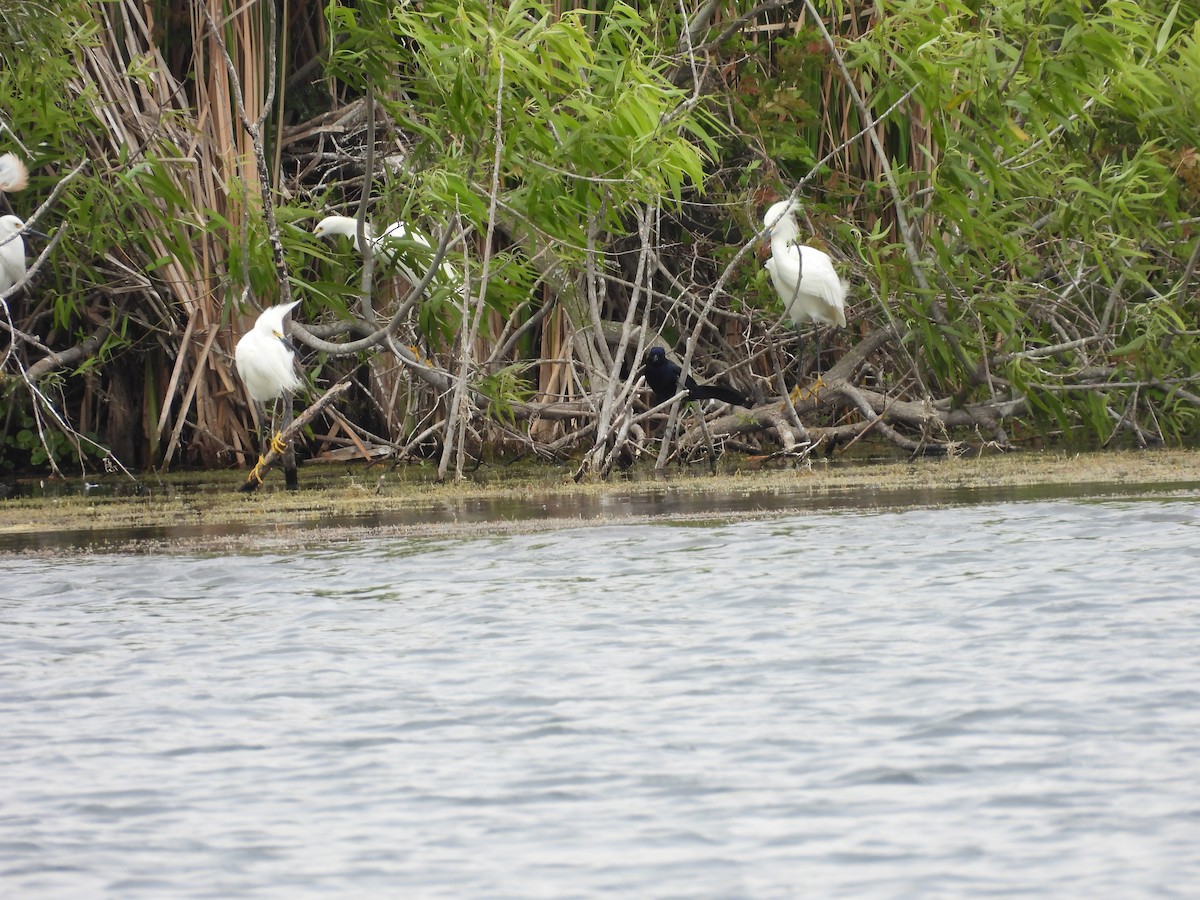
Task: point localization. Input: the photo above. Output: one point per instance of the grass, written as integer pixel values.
(204, 511)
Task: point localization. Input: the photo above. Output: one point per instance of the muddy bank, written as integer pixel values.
(204, 513)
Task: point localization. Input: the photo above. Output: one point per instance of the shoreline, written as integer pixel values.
(203, 513)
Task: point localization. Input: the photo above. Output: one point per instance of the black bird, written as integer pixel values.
(663, 377)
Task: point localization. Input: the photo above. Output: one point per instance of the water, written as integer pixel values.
(980, 700)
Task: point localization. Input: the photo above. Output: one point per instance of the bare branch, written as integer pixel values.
(283, 439)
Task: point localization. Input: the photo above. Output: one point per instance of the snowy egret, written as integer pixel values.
(803, 277)
(266, 363)
(12, 252)
(12, 247)
(265, 360)
(663, 376)
(386, 245)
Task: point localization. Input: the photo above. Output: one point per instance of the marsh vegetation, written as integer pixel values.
(1009, 190)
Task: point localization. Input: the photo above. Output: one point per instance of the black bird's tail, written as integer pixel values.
(718, 392)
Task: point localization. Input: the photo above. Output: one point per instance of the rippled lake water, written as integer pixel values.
(990, 699)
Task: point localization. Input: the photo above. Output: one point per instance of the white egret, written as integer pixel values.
(12, 247)
(12, 252)
(266, 363)
(803, 276)
(386, 246)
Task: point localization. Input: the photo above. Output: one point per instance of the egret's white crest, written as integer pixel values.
(12, 252)
(804, 277)
(265, 360)
(12, 173)
(386, 245)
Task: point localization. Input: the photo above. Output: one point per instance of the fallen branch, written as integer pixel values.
(60, 359)
(880, 411)
(281, 441)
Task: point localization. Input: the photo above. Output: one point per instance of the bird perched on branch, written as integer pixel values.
(663, 376)
(388, 246)
(803, 276)
(266, 363)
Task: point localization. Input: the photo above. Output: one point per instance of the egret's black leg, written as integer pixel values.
(260, 413)
(273, 430)
(290, 479)
(800, 368)
(819, 381)
(810, 393)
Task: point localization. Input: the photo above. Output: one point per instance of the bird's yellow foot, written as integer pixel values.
(277, 444)
(257, 472)
(812, 392)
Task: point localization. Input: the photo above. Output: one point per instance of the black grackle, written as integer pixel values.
(663, 376)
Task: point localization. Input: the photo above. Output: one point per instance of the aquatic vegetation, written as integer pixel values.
(1009, 194)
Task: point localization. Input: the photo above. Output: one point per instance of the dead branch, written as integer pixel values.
(283, 440)
(62, 358)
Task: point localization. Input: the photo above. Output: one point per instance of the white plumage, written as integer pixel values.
(12, 249)
(266, 362)
(386, 245)
(804, 277)
(12, 173)
(12, 252)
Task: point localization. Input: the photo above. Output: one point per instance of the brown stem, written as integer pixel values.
(283, 439)
(63, 358)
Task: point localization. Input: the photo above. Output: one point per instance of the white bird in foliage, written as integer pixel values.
(12, 173)
(266, 362)
(265, 359)
(803, 276)
(387, 245)
(12, 246)
(12, 252)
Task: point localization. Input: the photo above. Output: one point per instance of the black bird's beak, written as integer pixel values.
(35, 233)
